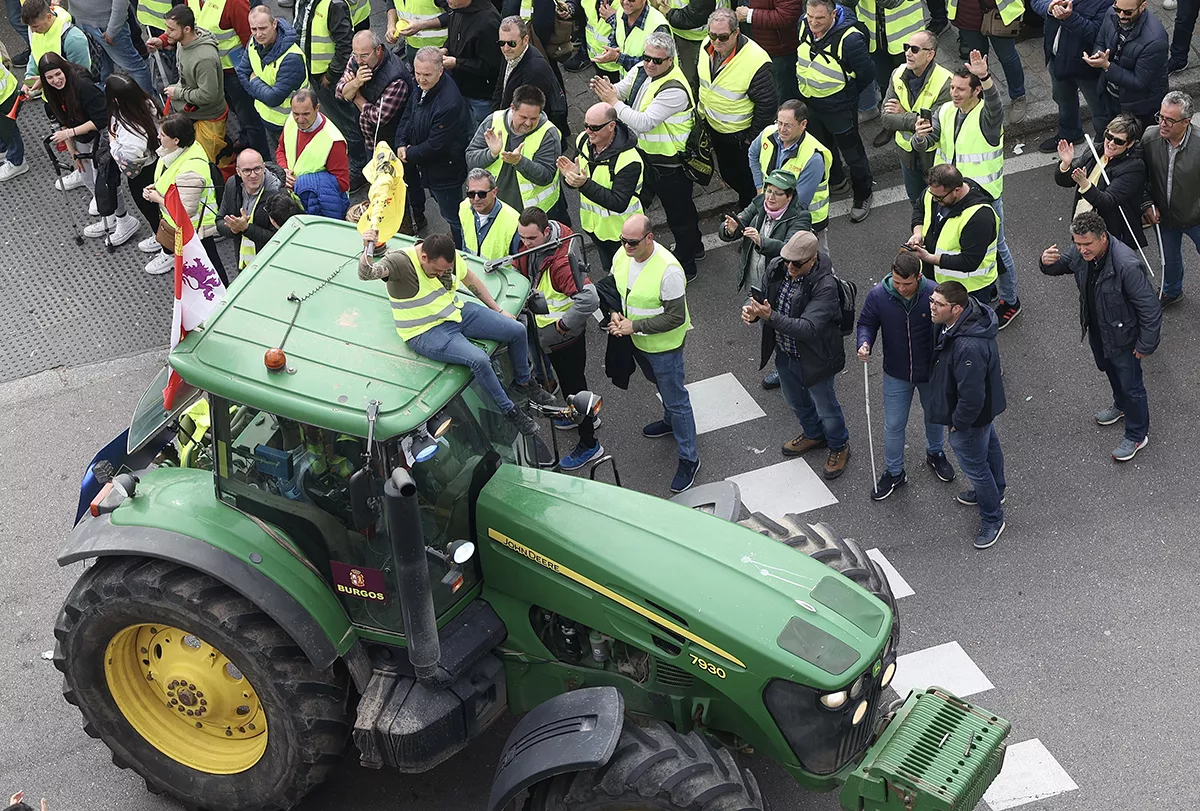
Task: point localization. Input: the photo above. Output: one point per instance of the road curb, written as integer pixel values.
(66, 378)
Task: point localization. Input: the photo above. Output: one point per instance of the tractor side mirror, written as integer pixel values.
(363, 487)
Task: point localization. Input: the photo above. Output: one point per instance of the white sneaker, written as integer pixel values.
(93, 209)
(1170, 5)
(8, 171)
(99, 229)
(125, 228)
(68, 182)
(161, 264)
(150, 245)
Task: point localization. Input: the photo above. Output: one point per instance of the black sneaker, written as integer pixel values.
(656, 429)
(685, 475)
(1173, 65)
(771, 380)
(533, 390)
(941, 466)
(967, 497)
(22, 59)
(988, 535)
(887, 485)
(1166, 301)
(523, 421)
(701, 254)
(936, 27)
(1050, 145)
(579, 62)
(1006, 312)
(840, 188)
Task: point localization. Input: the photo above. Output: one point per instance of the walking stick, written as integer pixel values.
(1162, 257)
(1133, 234)
(870, 437)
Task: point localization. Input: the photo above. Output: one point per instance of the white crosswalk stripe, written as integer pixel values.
(1030, 774)
(946, 665)
(900, 587)
(721, 401)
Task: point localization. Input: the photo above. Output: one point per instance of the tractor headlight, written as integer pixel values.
(857, 687)
(835, 700)
(888, 673)
(860, 712)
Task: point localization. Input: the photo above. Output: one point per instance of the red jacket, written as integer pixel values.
(774, 24)
(337, 164)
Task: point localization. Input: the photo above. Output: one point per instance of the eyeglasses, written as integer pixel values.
(916, 49)
(478, 195)
(941, 198)
(938, 304)
(719, 37)
(656, 60)
(511, 43)
(1108, 136)
(597, 127)
(633, 243)
(1170, 122)
(253, 170)
(1123, 12)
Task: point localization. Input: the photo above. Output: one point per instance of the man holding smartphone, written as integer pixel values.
(915, 90)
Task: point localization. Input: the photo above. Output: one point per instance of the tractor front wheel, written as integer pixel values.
(197, 690)
(653, 768)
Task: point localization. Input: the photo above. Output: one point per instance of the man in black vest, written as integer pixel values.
(378, 83)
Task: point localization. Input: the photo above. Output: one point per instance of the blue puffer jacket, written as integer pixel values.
(907, 329)
(292, 71)
(1076, 35)
(320, 194)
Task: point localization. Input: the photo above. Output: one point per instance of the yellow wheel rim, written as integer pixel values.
(186, 698)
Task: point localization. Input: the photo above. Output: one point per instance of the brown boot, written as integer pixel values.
(801, 445)
(835, 465)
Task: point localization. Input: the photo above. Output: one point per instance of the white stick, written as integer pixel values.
(1162, 257)
(1104, 174)
(870, 437)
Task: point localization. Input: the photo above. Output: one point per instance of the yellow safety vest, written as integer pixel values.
(668, 138)
(433, 304)
(970, 152)
(596, 35)
(1009, 9)
(950, 241)
(51, 41)
(819, 73)
(601, 223)
(544, 197)
(633, 43)
(8, 84)
(818, 207)
(319, 40)
(316, 151)
(499, 237)
(153, 13)
(644, 299)
(556, 303)
(416, 10)
(898, 23)
(359, 10)
(246, 250)
(209, 18)
(193, 159)
(924, 101)
(696, 34)
(526, 11)
(268, 73)
(723, 100)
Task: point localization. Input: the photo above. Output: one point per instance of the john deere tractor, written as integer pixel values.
(356, 546)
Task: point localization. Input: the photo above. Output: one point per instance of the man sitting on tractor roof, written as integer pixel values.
(422, 284)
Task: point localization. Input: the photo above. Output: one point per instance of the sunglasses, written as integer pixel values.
(632, 243)
(597, 127)
(511, 43)
(1126, 12)
(1108, 136)
(656, 60)
(792, 263)
(719, 37)
(478, 195)
(916, 49)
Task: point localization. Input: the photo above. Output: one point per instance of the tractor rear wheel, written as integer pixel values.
(844, 555)
(653, 768)
(194, 688)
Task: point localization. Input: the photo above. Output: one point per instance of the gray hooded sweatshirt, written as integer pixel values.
(201, 80)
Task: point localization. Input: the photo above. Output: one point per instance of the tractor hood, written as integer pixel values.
(664, 573)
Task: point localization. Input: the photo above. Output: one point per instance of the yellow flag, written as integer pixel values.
(385, 200)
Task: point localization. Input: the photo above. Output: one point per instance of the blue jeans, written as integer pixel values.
(1006, 52)
(447, 199)
(1129, 392)
(914, 180)
(816, 406)
(13, 10)
(254, 134)
(120, 54)
(665, 370)
(897, 401)
(447, 342)
(982, 462)
(1172, 239)
(1007, 282)
(1066, 96)
(11, 143)
(480, 109)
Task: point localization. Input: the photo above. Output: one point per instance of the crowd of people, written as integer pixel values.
(254, 117)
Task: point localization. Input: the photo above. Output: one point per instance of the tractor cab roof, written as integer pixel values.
(342, 351)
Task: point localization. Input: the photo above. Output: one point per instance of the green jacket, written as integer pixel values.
(201, 80)
(795, 219)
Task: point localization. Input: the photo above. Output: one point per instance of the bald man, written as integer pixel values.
(243, 213)
(653, 290)
(378, 83)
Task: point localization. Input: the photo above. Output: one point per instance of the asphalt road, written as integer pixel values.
(1082, 616)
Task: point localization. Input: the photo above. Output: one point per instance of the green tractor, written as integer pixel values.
(358, 546)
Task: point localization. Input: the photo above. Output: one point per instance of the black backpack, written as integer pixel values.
(847, 296)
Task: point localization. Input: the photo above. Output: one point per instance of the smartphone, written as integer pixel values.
(758, 294)
(926, 114)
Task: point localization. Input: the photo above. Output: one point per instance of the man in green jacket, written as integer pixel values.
(200, 92)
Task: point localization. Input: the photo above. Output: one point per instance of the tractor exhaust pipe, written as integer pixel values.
(412, 573)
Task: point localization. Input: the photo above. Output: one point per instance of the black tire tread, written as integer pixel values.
(653, 767)
(318, 722)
